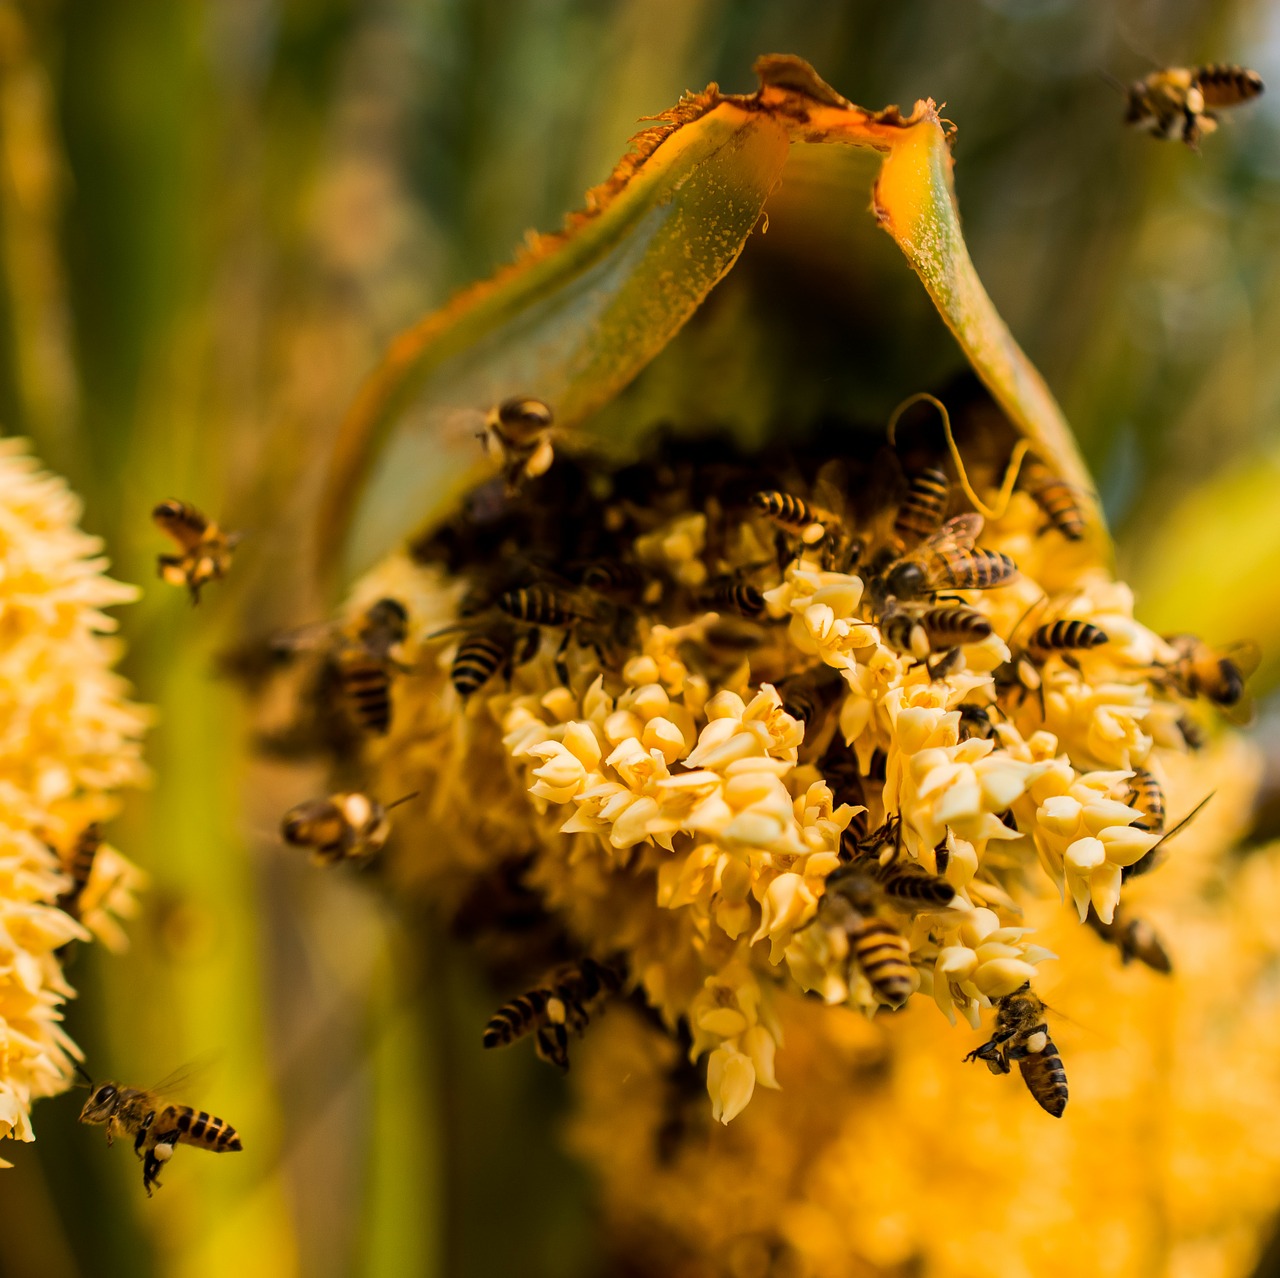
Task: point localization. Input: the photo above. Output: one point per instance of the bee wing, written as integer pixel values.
(314, 637)
(830, 488)
(1245, 655)
(1181, 825)
(194, 1071)
(961, 531)
(1243, 713)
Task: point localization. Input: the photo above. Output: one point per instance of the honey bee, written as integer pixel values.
(613, 577)
(1065, 636)
(924, 507)
(79, 868)
(1056, 498)
(1022, 1035)
(814, 525)
(484, 651)
(156, 1128)
(975, 721)
(571, 995)
(728, 594)
(948, 560)
(364, 663)
(839, 768)
(1199, 670)
(517, 436)
(344, 827)
(919, 632)
(1146, 795)
(875, 946)
(808, 696)
(1134, 938)
(1152, 857)
(206, 549)
(898, 881)
(1179, 102)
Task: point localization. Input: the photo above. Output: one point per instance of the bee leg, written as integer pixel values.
(528, 650)
(552, 1046)
(141, 1138)
(167, 561)
(562, 666)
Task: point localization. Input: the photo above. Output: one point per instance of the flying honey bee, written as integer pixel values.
(517, 436)
(948, 560)
(923, 508)
(1022, 1035)
(344, 827)
(1134, 938)
(1199, 670)
(364, 663)
(79, 868)
(157, 1128)
(565, 1004)
(1180, 102)
(1056, 498)
(206, 549)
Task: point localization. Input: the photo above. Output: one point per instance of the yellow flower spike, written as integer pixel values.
(72, 738)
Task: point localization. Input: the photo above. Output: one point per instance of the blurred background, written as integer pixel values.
(213, 216)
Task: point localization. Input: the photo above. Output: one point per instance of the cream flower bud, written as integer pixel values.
(1002, 976)
(759, 1044)
(731, 1080)
(1125, 844)
(662, 735)
(640, 670)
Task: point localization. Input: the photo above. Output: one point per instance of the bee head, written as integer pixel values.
(905, 580)
(100, 1105)
(525, 417)
(167, 510)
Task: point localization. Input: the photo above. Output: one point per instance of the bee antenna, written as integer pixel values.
(403, 799)
(84, 1074)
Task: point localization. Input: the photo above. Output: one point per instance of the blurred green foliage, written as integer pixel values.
(214, 215)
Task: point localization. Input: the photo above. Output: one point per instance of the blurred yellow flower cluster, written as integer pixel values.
(70, 738)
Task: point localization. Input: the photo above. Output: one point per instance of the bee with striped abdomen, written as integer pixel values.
(876, 947)
(1022, 1035)
(731, 594)
(918, 632)
(1218, 675)
(975, 721)
(1065, 635)
(1135, 938)
(564, 1004)
(206, 549)
(517, 436)
(923, 508)
(487, 649)
(365, 662)
(79, 868)
(1056, 498)
(949, 560)
(349, 826)
(1146, 795)
(1179, 102)
(1152, 857)
(817, 525)
(156, 1128)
